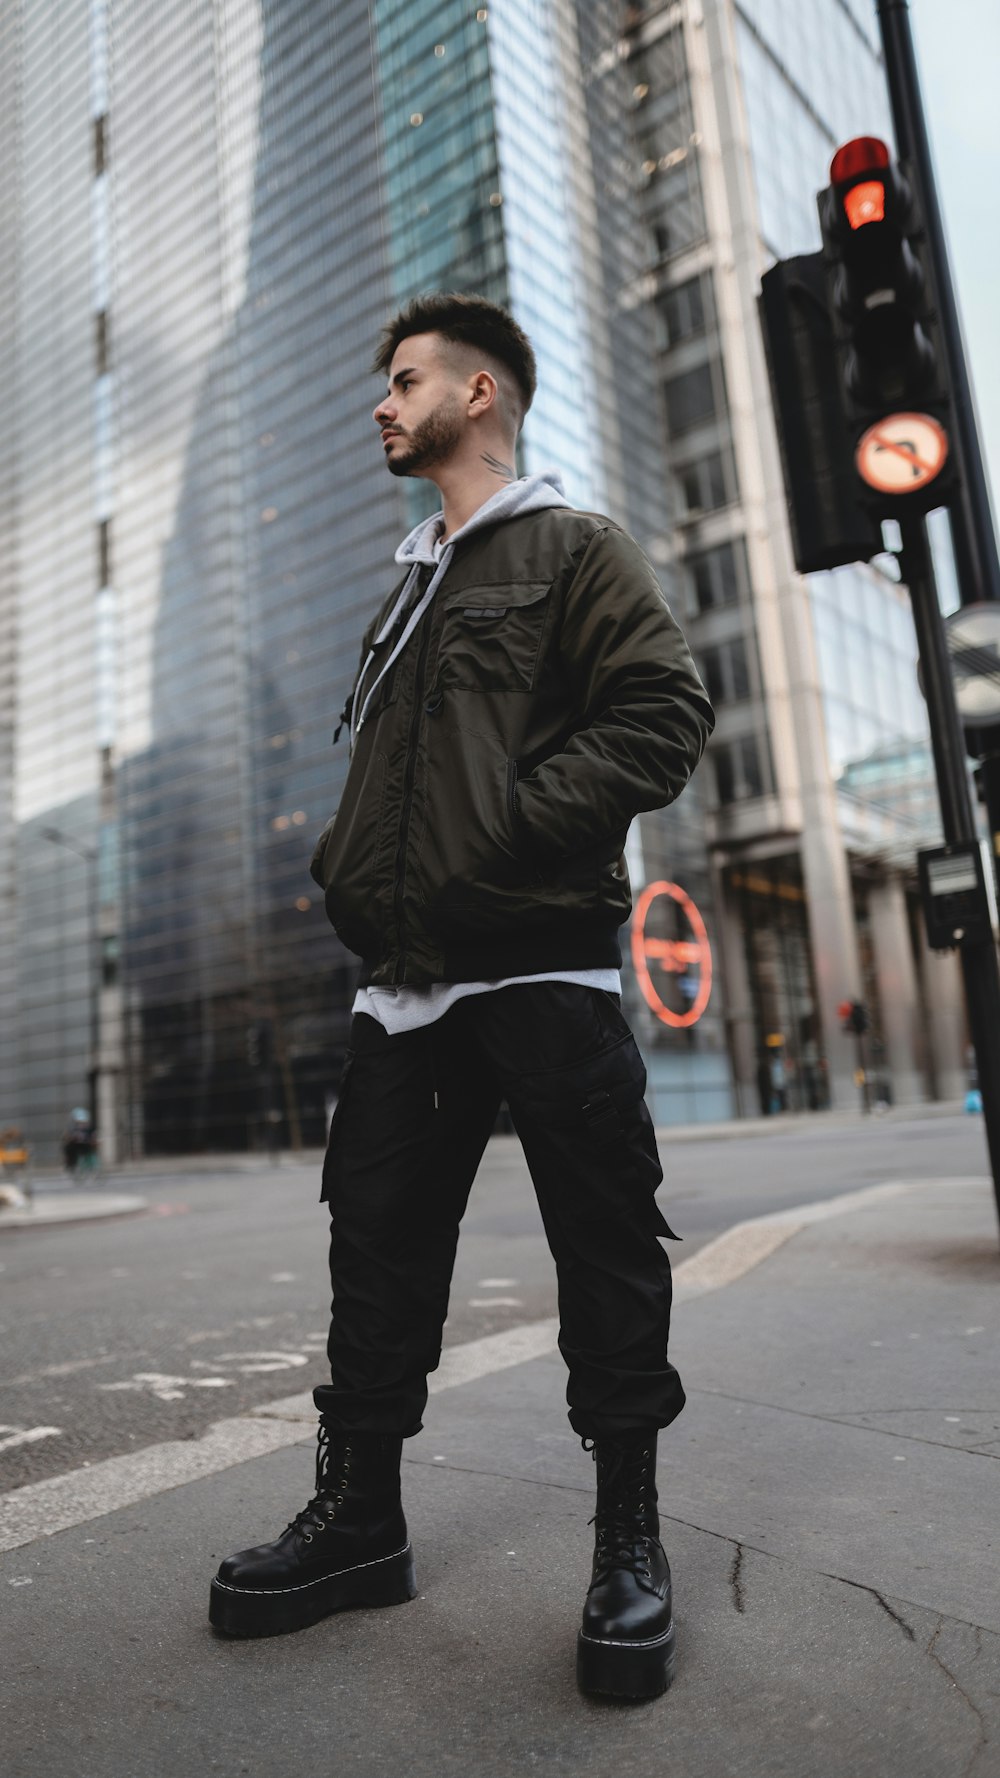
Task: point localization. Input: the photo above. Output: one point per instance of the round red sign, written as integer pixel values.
(687, 956)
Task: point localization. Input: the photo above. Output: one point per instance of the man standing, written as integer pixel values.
(523, 693)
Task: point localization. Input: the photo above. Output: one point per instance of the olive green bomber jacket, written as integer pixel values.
(546, 697)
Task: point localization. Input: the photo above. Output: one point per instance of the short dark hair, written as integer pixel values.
(467, 321)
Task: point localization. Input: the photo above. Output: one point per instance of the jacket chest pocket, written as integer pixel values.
(491, 637)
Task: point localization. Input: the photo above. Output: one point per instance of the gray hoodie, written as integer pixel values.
(422, 549)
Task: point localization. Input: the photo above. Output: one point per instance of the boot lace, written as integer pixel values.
(623, 1538)
(329, 1495)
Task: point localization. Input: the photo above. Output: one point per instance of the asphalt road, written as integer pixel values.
(124, 1333)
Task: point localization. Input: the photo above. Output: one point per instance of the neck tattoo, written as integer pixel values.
(503, 470)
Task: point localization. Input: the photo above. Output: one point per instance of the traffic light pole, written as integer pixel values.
(988, 774)
(971, 515)
(979, 960)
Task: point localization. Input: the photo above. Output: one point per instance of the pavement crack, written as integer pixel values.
(907, 1629)
(890, 1610)
(853, 1421)
(983, 1740)
(736, 1580)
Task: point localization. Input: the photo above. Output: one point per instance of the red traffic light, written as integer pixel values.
(863, 154)
(865, 202)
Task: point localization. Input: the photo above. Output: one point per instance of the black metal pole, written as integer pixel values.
(988, 776)
(971, 516)
(94, 936)
(979, 960)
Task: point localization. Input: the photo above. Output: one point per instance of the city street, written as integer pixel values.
(829, 1497)
(123, 1333)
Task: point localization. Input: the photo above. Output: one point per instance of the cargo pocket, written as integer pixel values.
(332, 1158)
(600, 1137)
(491, 637)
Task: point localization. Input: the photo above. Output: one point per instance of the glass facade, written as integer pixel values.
(811, 78)
(212, 208)
(50, 487)
(254, 538)
(737, 107)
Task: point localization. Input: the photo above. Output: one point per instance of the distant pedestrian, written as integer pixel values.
(79, 1142)
(523, 693)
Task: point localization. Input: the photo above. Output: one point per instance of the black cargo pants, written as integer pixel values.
(415, 1112)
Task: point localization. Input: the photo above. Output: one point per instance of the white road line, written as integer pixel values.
(17, 1437)
(42, 1508)
(731, 1255)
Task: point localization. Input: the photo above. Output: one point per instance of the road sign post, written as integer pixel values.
(977, 950)
(904, 402)
(970, 512)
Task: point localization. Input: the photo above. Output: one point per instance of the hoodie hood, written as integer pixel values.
(532, 493)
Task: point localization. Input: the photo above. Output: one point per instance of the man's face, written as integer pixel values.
(421, 418)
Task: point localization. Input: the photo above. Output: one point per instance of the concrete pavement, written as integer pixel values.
(831, 1504)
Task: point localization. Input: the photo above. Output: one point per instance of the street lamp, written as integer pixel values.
(89, 855)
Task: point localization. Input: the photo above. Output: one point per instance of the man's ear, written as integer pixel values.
(482, 393)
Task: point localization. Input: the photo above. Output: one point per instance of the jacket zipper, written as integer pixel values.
(512, 790)
(407, 799)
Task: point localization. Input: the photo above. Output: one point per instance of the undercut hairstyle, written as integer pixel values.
(470, 322)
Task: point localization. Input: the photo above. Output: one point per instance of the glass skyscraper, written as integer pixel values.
(738, 108)
(211, 210)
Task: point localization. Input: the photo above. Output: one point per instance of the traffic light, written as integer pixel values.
(890, 370)
(853, 1017)
(829, 522)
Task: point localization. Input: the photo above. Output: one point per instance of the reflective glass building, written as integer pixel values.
(738, 106)
(212, 208)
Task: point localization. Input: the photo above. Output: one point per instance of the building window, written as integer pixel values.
(104, 553)
(691, 397)
(103, 343)
(100, 144)
(739, 769)
(719, 575)
(686, 309)
(109, 960)
(725, 671)
(705, 483)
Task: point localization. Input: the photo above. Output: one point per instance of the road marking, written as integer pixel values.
(747, 1244)
(249, 1362)
(42, 1508)
(16, 1435)
(165, 1388)
(61, 1370)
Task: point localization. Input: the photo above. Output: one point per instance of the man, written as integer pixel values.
(523, 693)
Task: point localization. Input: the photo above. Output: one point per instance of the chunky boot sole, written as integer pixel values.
(240, 1611)
(625, 1669)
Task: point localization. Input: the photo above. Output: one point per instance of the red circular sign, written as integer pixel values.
(901, 453)
(673, 956)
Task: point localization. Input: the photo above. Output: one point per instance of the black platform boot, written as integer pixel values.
(347, 1547)
(626, 1645)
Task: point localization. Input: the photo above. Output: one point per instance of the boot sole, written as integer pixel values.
(239, 1611)
(625, 1669)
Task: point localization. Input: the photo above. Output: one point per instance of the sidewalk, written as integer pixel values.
(831, 1507)
(67, 1203)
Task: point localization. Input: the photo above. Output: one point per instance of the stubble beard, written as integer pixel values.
(431, 442)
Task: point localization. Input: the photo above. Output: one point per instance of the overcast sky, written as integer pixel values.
(958, 49)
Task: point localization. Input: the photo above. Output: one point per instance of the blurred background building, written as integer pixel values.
(208, 211)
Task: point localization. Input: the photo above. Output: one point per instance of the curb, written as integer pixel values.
(51, 1210)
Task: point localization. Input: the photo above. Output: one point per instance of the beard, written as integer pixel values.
(432, 441)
